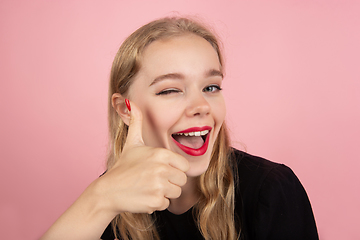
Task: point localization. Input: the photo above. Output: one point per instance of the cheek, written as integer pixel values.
(158, 121)
(219, 111)
(165, 114)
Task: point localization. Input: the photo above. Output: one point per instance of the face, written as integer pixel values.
(178, 90)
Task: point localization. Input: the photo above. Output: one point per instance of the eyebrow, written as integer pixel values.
(214, 73)
(179, 76)
(168, 76)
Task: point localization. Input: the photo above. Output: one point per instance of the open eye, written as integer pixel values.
(168, 91)
(212, 88)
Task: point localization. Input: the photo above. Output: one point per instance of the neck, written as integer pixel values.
(189, 196)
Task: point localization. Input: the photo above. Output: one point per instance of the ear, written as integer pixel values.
(118, 103)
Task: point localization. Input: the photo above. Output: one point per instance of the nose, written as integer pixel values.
(198, 106)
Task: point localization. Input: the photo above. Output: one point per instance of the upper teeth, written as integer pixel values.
(199, 133)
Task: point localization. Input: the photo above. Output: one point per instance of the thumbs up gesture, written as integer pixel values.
(144, 178)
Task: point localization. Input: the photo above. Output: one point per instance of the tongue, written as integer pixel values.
(191, 142)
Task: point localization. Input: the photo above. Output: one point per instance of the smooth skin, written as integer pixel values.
(152, 172)
(178, 88)
(152, 177)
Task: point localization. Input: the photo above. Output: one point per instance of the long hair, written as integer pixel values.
(215, 209)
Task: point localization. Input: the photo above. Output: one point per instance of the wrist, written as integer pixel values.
(97, 202)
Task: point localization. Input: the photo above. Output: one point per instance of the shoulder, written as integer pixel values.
(261, 180)
(253, 172)
(270, 200)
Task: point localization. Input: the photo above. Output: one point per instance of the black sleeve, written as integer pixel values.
(108, 233)
(283, 210)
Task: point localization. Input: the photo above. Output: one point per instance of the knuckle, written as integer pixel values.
(158, 188)
(163, 153)
(157, 171)
(161, 169)
(157, 202)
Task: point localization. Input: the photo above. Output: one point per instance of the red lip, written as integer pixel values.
(191, 151)
(196, 129)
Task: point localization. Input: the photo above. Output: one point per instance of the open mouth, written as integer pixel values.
(193, 141)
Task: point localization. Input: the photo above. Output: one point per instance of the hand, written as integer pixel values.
(144, 178)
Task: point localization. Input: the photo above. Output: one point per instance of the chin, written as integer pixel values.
(193, 173)
(198, 166)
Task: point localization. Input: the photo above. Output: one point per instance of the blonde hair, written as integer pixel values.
(215, 209)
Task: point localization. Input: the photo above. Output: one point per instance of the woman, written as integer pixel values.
(171, 173)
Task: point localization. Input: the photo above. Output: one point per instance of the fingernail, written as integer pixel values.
(127, 104)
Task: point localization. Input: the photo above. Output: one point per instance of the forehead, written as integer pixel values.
(181, 53)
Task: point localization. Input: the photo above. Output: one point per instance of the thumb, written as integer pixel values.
(134, 136)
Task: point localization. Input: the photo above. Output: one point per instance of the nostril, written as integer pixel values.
(198, 106)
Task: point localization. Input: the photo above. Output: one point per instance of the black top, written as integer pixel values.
(270, 203)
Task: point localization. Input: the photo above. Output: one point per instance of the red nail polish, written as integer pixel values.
(127, 104)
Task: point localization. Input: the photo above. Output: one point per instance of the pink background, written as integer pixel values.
(292, 91)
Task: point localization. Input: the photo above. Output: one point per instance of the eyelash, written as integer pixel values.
(168, 91)
(172, 90)
(218, 88)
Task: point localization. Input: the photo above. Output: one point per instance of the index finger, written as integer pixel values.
(179, 162)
